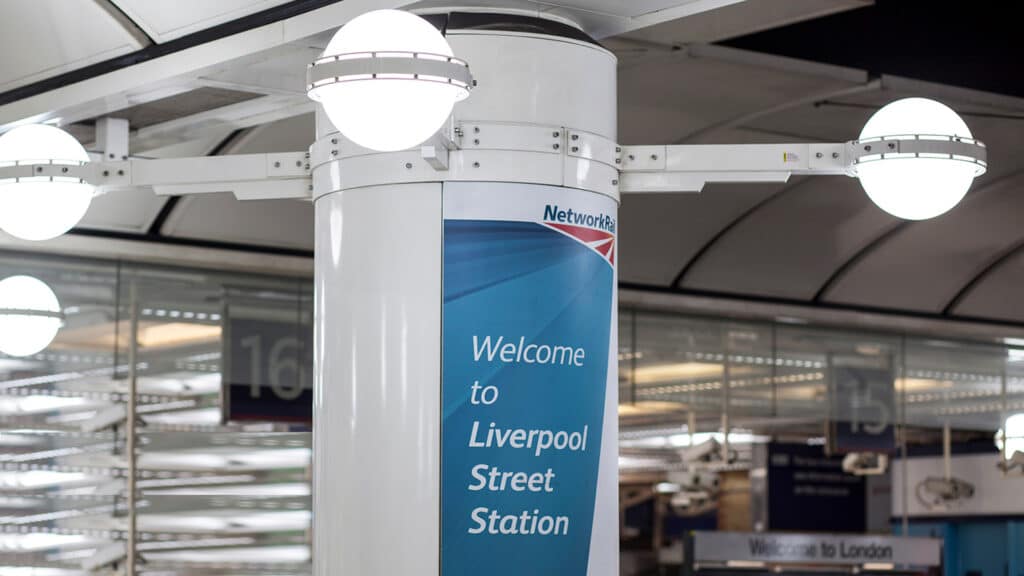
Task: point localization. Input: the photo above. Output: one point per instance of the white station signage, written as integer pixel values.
(770, 548)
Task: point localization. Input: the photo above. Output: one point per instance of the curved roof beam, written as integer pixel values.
(1002, 258)
(125, 21)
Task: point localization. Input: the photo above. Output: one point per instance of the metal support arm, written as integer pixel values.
(247, 176)
(482, 151)
(688, 168)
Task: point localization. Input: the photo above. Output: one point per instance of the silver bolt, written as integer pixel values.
(298, 163)
(835, 155)
(575, 148)
(39, 169)
(867, 148)
(631, 157)
(476, 129)
(408, 165)
(64, 169)
(106, 173)
(654, 156)
(120, 172)
(476, 164)
(111, 154)
(575, 136)
(556, 134)
(555, 146)
(892, 145)
(615, 182)
(476, 141)
(818, 155)
(618, 160)
(277, 164)
(618, 149)
(334, 152)
(334, 140)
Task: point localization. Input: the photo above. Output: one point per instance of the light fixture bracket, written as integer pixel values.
(957, 148)
(419, 66)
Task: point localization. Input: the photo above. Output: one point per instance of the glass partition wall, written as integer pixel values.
(213, 495)
(185, 395)
(685, 379)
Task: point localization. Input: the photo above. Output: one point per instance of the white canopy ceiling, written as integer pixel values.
(226, 77)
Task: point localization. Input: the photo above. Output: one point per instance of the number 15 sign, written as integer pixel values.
(268, 364)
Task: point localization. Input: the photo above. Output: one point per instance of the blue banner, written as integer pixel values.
(527, 322)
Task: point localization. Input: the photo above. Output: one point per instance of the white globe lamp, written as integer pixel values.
(1014, 435)
(917, 158)
(30, 315)
(388, 80)
(40, 207)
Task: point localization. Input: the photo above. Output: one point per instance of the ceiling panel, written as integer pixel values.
(667, 98)
(164, 21)
(790, 246)
(660, 233)
(43, 38)
(222, 218)
(738, 19)
(925, 264)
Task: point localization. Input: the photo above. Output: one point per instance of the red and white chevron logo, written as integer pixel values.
(598, 240)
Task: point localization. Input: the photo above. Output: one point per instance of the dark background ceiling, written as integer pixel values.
(973, 44)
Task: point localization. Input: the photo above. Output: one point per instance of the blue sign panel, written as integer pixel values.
(528, 309)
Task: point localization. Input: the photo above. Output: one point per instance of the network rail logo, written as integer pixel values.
(597, 231)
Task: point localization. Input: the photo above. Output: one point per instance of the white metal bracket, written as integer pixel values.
(688, 168)
(247, 176)
(435, 151)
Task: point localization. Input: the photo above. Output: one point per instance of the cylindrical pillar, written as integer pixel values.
(466, 351)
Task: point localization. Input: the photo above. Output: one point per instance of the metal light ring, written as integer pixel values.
(912, 146)
(35, 313)
(381, 66)
(981, 166)
(398, 54)
(29, 179)
(924, 137)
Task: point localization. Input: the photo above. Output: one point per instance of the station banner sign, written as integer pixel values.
(776, 548)
(529, 386)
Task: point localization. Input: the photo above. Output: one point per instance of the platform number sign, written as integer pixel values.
(268, 372)
(863, 409)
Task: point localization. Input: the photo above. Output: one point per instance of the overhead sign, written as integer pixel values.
(529, 478)
(773, 548)
(808, 490)
(268, 363)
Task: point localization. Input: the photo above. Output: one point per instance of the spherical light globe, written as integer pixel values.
(1014, 435)
(41, 208)
(29, 315)
(915, 188)
(387, 114)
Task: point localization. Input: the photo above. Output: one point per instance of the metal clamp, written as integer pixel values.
(418, 66)
(956, 148)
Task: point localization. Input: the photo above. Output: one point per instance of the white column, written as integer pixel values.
(378, 412)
